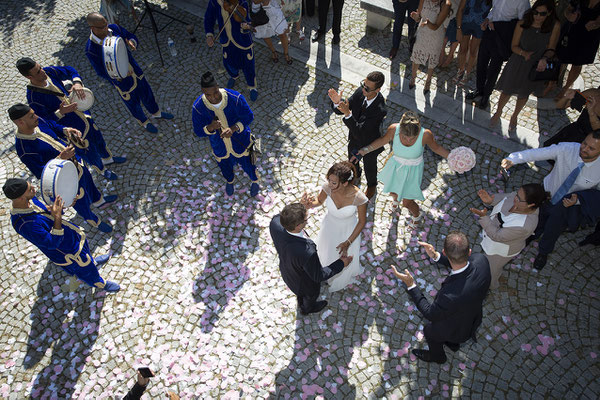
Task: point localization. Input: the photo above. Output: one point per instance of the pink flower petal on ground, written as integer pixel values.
(526, 347)
(593, 355)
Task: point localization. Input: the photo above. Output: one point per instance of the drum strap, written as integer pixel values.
(126, 94)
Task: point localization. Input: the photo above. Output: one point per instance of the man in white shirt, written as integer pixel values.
(574, 178)
(495, 45)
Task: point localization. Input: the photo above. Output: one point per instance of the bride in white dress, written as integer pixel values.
(345, 219)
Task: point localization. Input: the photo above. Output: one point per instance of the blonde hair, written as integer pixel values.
(409, 124)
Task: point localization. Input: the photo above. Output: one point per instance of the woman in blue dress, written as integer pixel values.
(403, 172)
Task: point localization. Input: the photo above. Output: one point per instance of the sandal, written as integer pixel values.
(288, 59)
(274, 57)
(395, 206)
(414, 222)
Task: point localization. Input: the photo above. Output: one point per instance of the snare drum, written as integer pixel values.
(83, 104)
(59, 178)
(116, 59)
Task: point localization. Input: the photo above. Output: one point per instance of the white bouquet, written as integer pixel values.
(461, 159)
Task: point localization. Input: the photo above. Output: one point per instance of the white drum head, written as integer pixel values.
(59, 178)
(85, 103)
(116, 59)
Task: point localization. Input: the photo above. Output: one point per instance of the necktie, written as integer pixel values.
(566, 185)
(363, 107)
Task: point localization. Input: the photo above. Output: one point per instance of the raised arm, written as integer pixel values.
(429, 140)
(310, 202)
(382, 141)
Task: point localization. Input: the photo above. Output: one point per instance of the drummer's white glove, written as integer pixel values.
(78, 88)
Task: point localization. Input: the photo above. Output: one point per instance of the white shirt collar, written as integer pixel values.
(300, 234)
(370, 101)
(458, 271)
(96, 39)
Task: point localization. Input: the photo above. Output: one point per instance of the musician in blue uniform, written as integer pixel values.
(225, 117)
(37, 143)
(63, 242)
(48, 96)
(236, 39)
(133, 89)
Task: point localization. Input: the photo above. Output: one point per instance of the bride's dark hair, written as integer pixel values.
(345, 171)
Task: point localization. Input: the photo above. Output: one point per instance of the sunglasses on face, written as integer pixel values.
(540, 13)
(365, 87)
(519, 198)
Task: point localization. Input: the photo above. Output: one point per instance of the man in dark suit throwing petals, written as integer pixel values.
(456, 311)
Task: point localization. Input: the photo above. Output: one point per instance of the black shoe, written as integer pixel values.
(452, 346)
(336, 39)
(540, 261)
(319, 305)
(484, 102)
(473, 95)
(425, 355)
(317, 35)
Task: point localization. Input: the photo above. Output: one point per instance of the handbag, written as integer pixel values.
(255, 149)
(259, 18)
(551, 72)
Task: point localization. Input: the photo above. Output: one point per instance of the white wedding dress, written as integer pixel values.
(336, 227)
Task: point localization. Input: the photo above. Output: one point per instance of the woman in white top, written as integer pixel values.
(512, 220)
(345, 219)
(277, 26)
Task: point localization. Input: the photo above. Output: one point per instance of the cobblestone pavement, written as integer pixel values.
(202, 300)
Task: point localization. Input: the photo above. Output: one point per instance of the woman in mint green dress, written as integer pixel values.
(403, 172)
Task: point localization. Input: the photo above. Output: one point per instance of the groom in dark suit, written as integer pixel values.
(363, 114)
(456, 311)
(298, 260)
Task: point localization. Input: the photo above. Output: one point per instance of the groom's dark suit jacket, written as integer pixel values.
(298, 261)
(364, 127)
(456, 311)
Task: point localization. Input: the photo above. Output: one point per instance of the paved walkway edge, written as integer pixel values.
(439, 107)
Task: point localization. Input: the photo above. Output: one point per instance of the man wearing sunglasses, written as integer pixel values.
(363, 114)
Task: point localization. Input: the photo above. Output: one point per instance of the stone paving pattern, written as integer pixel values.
(202, 300)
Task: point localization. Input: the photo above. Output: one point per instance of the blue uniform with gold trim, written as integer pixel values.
(134, 89)
(47, 106)
(233, 110)
(67, 247)
(44, 145)
(238, 51)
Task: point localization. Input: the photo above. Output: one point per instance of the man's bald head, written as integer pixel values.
(95, 18)
(456, 247)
